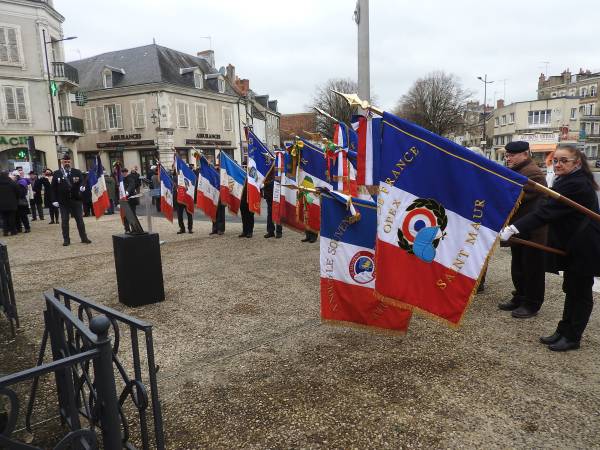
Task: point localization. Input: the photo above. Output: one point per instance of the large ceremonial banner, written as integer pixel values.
(207, 196)
(233, 177)
(441, 207)
(312, 174)
(100, 199)
(368, 148)
(186, 184)
(285, 194)
(260, 162)
(348, 267)
(166, 193)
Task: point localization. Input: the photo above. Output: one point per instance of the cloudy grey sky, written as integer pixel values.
(286, 48)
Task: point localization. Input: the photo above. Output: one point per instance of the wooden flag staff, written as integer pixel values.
(514, 240)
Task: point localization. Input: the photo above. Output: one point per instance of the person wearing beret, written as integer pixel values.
(527, 264)
(67, 187)
(576, 234)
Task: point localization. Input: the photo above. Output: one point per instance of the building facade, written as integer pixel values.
(29, 114)
(543, 123)
(584, 86)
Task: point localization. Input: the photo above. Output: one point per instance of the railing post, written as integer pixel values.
(105, 386)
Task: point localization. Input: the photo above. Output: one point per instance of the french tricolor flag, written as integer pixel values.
(260, 162)
(186, 185)
(233, 177)
(340, 135)
(368, 148)
(441, 208)
(207, 198)
(97, 184)
(166, 193)
(348, 270)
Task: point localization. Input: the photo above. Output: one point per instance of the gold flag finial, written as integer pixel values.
(354, 100)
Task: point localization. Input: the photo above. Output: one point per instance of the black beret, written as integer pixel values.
(517, 147)
(66, 157)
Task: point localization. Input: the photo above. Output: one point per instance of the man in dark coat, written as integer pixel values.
(46, 182)
(273, 230)
(130, 183)
(67, 186)
(111, 188)
(181, 209)
(9, 198)
(527, 264)
(36, 202)
(247, 215)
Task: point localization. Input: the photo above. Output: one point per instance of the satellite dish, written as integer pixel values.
(223, 71)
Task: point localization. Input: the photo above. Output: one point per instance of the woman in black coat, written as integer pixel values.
(9, 200)
(575, 233)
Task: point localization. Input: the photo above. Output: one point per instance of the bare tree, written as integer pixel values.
(333, 104)
(436, 102)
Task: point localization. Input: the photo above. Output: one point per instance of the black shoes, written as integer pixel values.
(553, 339)
(563, 345)
(220, 233)
(212, 232)
(86, 241)
(524, 312)
(269, 235)
(305, 240)
(51, 222)
(480, 288)
(66, 243)
(28, 230)
(245, 235)
(509, 306)
(242, 235)
(278, 236)
(181, 232)
(190, 231)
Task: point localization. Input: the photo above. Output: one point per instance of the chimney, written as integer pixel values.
(243, 86)
(209, 55)
(500, 103)
(566, 75)
(231, 73)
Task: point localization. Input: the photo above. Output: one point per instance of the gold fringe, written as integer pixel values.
(378, 330)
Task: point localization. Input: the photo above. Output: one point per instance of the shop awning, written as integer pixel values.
(542, 148)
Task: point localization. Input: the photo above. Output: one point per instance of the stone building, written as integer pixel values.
(29, 115)
(543, 123)
(584, 86)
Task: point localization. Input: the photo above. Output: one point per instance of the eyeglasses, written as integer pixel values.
(562, 160)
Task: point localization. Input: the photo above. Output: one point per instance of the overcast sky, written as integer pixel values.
(286, 48)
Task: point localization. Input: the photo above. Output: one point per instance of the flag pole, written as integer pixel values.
(561, 198)
(514, 240)
(354, 100)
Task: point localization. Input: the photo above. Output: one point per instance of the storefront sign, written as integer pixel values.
(546, 138)
(208, 136)
(208, 142)
(141, 143)
(13, 140)
(125, 137)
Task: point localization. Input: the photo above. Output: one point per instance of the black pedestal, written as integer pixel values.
(139, 269)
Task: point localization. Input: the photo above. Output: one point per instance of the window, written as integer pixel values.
(227, 119)
(91, 124)
(511, 118)
(9, 45)
(182, 114)
(108, 79)
(573, 113)
(583, 92)
(593, 91)
(591, 151)
(542, 117)
(114, 120)
(114, 157)
(503, 121)
(200, 116)
(138, 111)
(101, 117)
(553, 95)
(90, 160)
(198, 80)
(221, 85)
(497, 121)
(15, 104)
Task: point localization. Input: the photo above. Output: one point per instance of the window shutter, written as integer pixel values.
(3, 45)
(101, 116)
(13, 45)
(118, 116)
(21, 106)
(141, 115)
(11, 110)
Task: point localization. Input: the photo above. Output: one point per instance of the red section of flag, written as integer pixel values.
(101, 204)
(308, 214)
(253, 198)
(230, 200)
(166, 209)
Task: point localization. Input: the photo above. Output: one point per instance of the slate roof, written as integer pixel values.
(142, 65)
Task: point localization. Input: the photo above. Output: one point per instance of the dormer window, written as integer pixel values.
(221, 85)
(198, 79)
(108, 79)
(110, 75)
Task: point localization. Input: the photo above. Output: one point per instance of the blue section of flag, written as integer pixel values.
(186, 171)
(166, 179)
(429, 166)
(333, 211)
(208, 172)
(313, 161)
(259, 153)
(232, 168)
(96, 172)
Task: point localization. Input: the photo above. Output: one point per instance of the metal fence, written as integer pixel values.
(8, 305)
(85, 339)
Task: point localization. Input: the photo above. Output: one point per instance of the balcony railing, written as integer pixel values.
(64, 71)
(70, 124)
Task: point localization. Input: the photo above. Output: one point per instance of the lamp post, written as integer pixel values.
(50, 83)
(485, 83)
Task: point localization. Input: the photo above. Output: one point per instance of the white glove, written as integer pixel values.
(507, 232)
(82, 188)
(55, 204)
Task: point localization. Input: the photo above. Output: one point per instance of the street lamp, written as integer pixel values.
(51, 41)
(485, 83)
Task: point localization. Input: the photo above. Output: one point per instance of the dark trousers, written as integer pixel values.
(190, 219)
(72, 208)
(22, 217)
(88, 208)
(111, 207)
(133, 207)
(156, 201)
(579, 302)
(53, 210)
(247, 217)
(36, 209)
(8, 222)
(528, 276)
(272, 228)
(219, 224)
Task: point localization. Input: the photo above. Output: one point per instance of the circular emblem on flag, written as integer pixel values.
(422, 228)
(362, 267)
(252, 173)
(96, 190)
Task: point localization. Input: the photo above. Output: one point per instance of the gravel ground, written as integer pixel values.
(246, 363)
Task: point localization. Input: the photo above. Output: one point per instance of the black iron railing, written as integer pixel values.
(8, 304)
(63, 70)
(68, 124)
